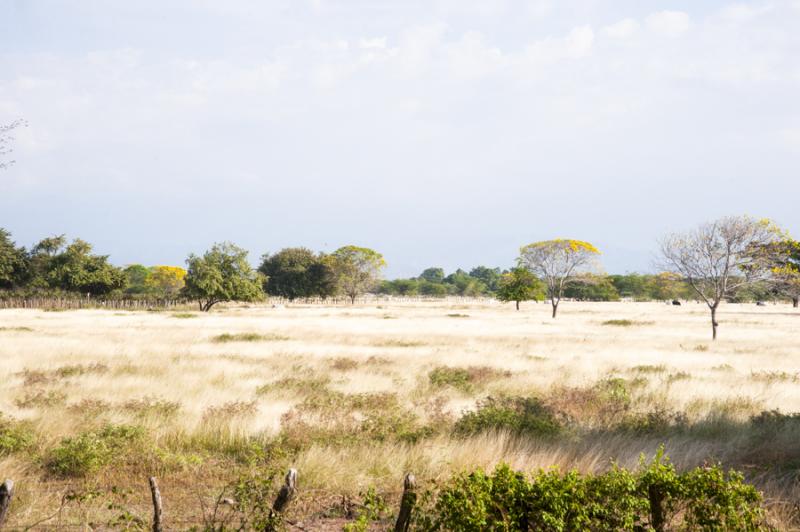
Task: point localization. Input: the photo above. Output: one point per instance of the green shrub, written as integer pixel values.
(625, 323)
(520, 415)
(90, 451)
(659, 421)
(458, 378)
(334, 418)
(464, 379)
(704, 498)
(248, 337)
(15, 436)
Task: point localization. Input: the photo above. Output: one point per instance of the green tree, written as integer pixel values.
(136, 275)
(490, 277)
(557, 262)
(428, 288)
(432, 275)
(40, 258)
(222, 274)
(76, 269)
(13, 262)
(519, 285)
(464, 284)
(590, 287)
(297, 273)
(357, 270)
(399, 287)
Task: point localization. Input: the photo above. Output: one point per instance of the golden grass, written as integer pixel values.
(235, 373)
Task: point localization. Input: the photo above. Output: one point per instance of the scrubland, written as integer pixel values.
(93, 402)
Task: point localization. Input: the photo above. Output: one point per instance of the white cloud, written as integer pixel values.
(744, 12)
(622, 29)
(669, 23)
(575, 45)
(471, 57)
(539, 9)
(376, 42)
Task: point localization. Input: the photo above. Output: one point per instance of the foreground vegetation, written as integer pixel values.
(219, 406)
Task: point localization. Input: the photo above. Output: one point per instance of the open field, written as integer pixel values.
(354, 397)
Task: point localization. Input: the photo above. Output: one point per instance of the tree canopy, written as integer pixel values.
(557, 262)
(222, 274)
(298, 273)
(719, 257)
(519, 285)
(357, 269)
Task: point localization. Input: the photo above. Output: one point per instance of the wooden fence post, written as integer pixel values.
(286, 494)
(6, 494)
(157, 526)
(407, 503)
(656, 508)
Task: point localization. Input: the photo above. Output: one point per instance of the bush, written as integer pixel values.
(90, 451)
(334, 418)
(458, 378)
(520, 415)
(15, 436)
(705, 498)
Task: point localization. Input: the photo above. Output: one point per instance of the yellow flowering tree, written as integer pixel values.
(166, 280)
(557, 263)
(786, 270)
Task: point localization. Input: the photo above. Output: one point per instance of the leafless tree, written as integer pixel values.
(5, 142)
(719, 257)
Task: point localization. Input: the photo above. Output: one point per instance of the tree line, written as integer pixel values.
(731, 259)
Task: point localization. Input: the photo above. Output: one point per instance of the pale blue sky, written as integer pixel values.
(440, 132)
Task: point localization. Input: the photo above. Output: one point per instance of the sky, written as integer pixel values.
(439, 132)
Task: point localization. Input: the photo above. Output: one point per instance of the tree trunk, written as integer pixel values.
(517, 305)
(796, 302)
(157, 510)
(714, 323)
(353, 299)
(555, 308)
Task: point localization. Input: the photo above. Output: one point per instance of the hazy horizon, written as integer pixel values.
(444, 133)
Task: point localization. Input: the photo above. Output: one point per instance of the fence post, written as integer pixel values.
(156, 494)
(656, 508)
(6, 494)
(286, 494)
(406, 503)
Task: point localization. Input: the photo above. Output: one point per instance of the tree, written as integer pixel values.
(719, 257)
(589, 287)
(786, 269)
(13, 262)
(463, 284)
(357, 269)
(667, 286)
(488, 276)
(432, 275)
(5, 142)
(166, 281)
(297, 273)
(137, 279)
(519, 285)
(221, 274)
(76, 269)
(557, 262)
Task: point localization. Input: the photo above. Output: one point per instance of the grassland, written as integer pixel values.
(94, 402)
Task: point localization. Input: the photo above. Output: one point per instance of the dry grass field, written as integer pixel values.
(354, 397)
